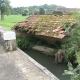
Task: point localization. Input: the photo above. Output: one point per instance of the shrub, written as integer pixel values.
(74, 73)
(25, 43)
(29, 42)
(24, 14)
(58, 13)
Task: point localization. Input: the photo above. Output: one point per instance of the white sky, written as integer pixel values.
(26, 3)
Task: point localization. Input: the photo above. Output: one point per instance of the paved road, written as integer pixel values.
(16, 65)
(8, 70)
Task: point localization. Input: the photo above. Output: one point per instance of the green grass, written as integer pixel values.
(11, 20)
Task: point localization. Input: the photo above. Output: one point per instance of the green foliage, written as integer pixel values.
(58, 13)
(72, 42)
(25, 11)
(28, 42)
(24, 14)
(4, 7)
(18, 10)
(25, 43)
(66, 25)
(69, 54)
(36, 12)
(33, 9)
(74, 73)
(78, 57)
(72, 48)
(41, 11)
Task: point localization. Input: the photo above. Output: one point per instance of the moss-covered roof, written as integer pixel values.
(47, 25)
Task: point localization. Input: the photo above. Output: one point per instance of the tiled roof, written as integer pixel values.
(68, 9)
(46, 25)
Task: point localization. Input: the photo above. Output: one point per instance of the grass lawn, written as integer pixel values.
(11, 20)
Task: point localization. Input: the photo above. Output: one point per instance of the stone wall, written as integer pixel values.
(50, 40)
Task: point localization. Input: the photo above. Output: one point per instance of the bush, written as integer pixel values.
(74, 73)
(58, 13)
(25, 43)
(73, 46)
(29, 42)
(24, 14)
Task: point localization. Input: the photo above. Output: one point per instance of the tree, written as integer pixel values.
(35, 9)
(41, 11)
(4, 7)
(73, 49)
(25, 11)
(36, 12)
(72, 43)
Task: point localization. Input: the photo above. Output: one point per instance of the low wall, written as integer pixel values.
(43, 69)
(45, 50)
(50, 40)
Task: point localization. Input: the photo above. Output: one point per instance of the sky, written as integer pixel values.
(26, 3)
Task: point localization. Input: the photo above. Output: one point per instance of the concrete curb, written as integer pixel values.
(44, 69)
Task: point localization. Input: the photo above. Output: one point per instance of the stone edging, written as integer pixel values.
(44, 69)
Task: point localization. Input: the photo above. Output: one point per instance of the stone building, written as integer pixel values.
(47, 27)
(68, 10)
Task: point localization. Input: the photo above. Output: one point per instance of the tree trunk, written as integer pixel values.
(2, 15)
